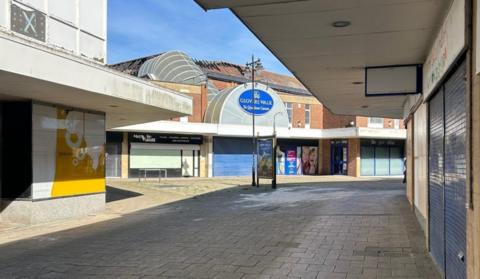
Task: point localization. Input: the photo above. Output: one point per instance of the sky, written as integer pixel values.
(144, 27)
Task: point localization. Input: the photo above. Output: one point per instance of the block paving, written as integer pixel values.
(329, 230)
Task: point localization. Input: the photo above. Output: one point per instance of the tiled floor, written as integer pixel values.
(308, 230)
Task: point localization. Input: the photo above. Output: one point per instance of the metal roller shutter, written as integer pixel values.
(455, 175)
(436, 180)
(232, 157)
(447, 176)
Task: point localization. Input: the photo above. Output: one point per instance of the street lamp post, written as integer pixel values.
(253, 66)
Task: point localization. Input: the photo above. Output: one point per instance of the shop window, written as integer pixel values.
(289, 107)
(307, 116)
(375, 122)
(396, 123)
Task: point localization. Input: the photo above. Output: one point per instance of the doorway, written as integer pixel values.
(339, 157)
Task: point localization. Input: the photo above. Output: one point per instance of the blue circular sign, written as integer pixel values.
(263, 102)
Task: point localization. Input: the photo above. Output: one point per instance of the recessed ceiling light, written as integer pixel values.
(341, 23)
(113, 106)
(364, 106)
(357, 82)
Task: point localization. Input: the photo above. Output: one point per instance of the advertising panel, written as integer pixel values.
(280, 161)
(265, 158)
(291, 162)
(310, 160)
(68, 152)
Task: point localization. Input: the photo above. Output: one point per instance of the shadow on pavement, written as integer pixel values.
(115, 194)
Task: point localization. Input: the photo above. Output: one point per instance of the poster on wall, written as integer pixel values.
(309, 160)
(280, 161)
(299, 160)
(265, 159)
(80, 154)
(68, 152)
(291, 162)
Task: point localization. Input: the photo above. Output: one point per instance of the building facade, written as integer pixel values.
(57, 98)
(216, 140)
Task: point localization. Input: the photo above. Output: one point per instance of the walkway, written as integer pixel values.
(359, 229)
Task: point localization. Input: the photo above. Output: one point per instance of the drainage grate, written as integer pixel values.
(393, 252)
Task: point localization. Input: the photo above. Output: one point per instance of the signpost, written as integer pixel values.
(266, 165)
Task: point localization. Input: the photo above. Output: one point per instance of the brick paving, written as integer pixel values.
(343, 230)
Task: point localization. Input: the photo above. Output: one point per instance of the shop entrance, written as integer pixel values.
(339, 157)
(114, 159)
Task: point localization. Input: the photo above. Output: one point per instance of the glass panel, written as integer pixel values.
(375, 122)
(382, 161)
(396, 161)
(367, 162)
(155, 158)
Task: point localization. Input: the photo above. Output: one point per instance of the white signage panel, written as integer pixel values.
(392, 80)
(448, 44)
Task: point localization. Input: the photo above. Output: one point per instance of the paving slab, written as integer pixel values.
(304, 229)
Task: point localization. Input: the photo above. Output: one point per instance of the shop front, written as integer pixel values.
(339, 157)
(381, 157)
(154, 155)
(297, 157)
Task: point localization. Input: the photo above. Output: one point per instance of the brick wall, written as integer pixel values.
(298, 119)
(331, 120)
(353, 168)
(325, 166)
(316, 116)
(220, 85)
(389, 123)
(361, 121)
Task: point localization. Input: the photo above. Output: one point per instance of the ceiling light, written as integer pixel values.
(113, 106)
(341, 23)
(357, 82)
(364, 106)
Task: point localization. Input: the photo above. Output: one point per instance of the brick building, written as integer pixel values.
(216, 140)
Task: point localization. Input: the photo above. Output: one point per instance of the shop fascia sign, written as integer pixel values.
(263, 102)
(446, 48)
(160, 138)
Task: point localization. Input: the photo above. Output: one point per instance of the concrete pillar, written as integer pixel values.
(205, 160)
(410, 162)
(325, 159)
(353, 168)
(125, 155)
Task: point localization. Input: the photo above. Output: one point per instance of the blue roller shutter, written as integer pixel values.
(455, 175)
(436, 180)
(232, 156)
(447, 176)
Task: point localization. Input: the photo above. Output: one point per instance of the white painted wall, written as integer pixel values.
(75, 26)
(420, 160)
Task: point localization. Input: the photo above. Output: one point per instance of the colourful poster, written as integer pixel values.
(280, 161)
(80, 154)
(291, 162)
(310, 160)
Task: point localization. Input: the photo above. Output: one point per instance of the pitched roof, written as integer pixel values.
(228, 72)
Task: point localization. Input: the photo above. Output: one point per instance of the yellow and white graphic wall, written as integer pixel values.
(68, 152)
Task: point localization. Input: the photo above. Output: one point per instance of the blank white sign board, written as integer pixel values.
(392, 80)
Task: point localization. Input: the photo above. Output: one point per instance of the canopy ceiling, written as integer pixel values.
(330, 61)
